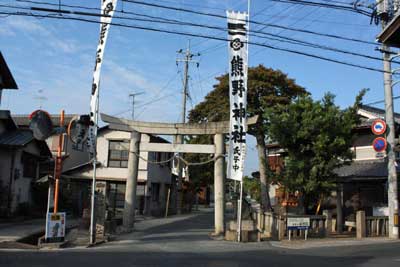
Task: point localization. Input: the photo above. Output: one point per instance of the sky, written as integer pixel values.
(52, 60)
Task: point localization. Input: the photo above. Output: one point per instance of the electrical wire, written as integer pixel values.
(281, 38)
(380, 101)
(326, 5)
(193, 35)
(200, 13)
(250, 21)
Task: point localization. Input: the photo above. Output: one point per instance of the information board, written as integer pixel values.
(55, 228)
(298, 223)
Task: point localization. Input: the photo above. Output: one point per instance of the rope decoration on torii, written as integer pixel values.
(187, 163)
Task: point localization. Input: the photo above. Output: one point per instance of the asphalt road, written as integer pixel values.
(184, 241)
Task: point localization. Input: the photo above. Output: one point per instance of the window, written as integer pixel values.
(118, 153)
(30, 165)
(116, 198)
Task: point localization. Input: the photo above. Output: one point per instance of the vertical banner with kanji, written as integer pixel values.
(237, 36)
(107, 12)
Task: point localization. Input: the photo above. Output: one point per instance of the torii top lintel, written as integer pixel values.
(161, 128)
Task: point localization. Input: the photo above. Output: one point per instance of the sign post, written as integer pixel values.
(55, 227)
(298, 223)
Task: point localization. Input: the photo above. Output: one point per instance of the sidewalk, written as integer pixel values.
(331, 242)
(14, 231)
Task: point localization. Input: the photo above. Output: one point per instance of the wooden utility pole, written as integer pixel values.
(179, 138)
(133, 95)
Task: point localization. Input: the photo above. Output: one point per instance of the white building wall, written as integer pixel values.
(155, 172)
(365, 153)
(75, 158)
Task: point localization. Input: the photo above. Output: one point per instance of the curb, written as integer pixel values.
(300, 245)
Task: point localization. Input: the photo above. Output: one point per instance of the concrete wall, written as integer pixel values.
(159, 174)
(22, 185)
(76, 157)
(21, 191)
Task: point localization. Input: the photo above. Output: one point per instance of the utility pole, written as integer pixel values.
(187, 59)
(385, 13)
(133, 103)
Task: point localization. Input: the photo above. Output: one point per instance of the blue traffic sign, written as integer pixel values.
(379, 144)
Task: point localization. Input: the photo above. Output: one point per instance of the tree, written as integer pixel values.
(266, 88)
(317, 136)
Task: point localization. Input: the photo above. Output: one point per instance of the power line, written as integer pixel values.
(282, 38)
(326, 5)
(89, 8)
(195, 12)
(251, 21)
(380, 101)
(194, 35)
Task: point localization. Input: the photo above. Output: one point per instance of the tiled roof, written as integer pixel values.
(379, 113)
(365, 169)
(16, 138)
(23, 120)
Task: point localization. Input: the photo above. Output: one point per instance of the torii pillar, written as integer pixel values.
(131, 181)
(219, 184)
(217, 129)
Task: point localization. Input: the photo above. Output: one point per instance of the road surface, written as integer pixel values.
(183, 241)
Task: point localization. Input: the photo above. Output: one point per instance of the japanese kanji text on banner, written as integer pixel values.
(107, 12)
(237, 36)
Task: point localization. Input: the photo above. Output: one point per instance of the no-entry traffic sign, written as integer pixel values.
(379, 144)
(378, 127)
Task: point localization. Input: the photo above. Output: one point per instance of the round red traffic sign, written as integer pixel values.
(378, 127)
(379, 144)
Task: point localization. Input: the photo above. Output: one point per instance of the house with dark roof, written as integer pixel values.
(154, 176)
(363, 183)
(23, 160)
(76, 154)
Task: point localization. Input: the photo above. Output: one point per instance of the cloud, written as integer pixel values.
(26, 25)
(125, 78)
(38, 33)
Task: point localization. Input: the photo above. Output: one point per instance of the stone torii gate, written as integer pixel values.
(178, 130)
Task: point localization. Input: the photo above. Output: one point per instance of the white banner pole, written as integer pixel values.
(107, 12)
(239, 223)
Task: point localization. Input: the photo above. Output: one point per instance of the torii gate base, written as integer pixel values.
(218, 129)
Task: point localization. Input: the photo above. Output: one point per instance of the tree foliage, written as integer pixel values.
(317, 136)
(266, 88)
